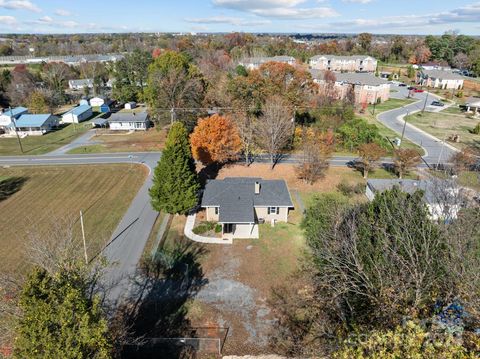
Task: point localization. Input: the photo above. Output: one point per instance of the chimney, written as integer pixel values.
(257, 187)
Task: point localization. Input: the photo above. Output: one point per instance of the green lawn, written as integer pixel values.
(52, 194)
(385, 131)
(442, 125)
(38, 145)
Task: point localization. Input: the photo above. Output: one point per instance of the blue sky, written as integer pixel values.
(346, 16)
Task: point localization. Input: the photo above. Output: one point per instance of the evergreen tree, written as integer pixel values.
(175, 184)
(59, 318)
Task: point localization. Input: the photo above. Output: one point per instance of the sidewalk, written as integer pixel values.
(188, 232)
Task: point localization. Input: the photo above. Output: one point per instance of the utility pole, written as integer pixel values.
(425, 103)
(441, 151)
(375, 103)
(404, 126)
(16, 130)
(83, 237)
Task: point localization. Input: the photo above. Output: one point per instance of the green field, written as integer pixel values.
(45, 197)
(443, 124)
(385, 131)
(38, 145)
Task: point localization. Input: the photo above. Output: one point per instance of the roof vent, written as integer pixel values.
(257, 187)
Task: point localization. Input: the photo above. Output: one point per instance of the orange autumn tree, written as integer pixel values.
(215, 139)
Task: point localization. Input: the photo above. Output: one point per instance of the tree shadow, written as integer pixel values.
(156, 314)
(209, 172)
(10, 186)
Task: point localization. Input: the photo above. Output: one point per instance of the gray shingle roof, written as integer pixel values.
(236, 197)
(129, 117)
(360, 78)
(441, 74)
(432, 190)
(473, 101)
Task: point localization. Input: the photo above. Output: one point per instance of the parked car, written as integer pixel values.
(402, 85)
(411, 88)
(437, 103)
(417, 90)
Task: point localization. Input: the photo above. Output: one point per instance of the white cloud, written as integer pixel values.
(465, 14)
(8, 20)
(62, 12)
(45, 19)
(278, 9)
(228, 20)
(19, 5)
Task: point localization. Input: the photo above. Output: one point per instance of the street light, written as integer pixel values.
(16, 130)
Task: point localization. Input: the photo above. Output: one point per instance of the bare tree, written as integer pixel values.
(405, 159)
(275, 127)
(246, 129)
(370, 154)
(317, 149)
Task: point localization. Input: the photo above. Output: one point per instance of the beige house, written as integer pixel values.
(239, 204)
(366, 87)
(445, 80)
(358, 63)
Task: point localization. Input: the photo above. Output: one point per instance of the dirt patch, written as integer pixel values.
(333, 176)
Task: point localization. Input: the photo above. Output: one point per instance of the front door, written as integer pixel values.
(228, 228)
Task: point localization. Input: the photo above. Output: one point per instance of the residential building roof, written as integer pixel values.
(78, 110)
(236, 197)
(355, 78)
(30, 120)
(431, 189)
(338, 57)
(129, 117)
(263, 59)
(14, 111)
(442, 75)
(473, 101)
(81, 82)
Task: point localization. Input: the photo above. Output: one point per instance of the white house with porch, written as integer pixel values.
(239, 204)
(129, 121)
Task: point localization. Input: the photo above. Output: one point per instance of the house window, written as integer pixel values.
(273, 210)
(216, 211)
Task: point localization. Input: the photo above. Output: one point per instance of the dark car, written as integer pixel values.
(411, 88)
(437, 103)
(403, 85)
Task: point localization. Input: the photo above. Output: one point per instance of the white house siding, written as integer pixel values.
(342, 64)
(127, 126)
(72, 118)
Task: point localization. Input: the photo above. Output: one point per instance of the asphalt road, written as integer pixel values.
(436, 150)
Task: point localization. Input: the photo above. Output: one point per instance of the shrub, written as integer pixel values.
(476, 129)
(204, 227)
(218, 228)
(348, 189)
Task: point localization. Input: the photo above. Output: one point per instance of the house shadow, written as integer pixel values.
(10, 186)
(156, 316)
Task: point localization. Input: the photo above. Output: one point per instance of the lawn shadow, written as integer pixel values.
(10, 186)
(156, 314)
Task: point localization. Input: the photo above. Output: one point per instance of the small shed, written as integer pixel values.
(104, 108)
(77, 114)
(97, 102)
(84, 101)
(130, 105)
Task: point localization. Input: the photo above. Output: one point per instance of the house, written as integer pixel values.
(8, 115)
(440, 197)
(130, 105)
(80, 84)
(357, 63)
(367, 88)
(97, 101)
(432, 65)
(254, 63)
(472, 104)
(34, 125)
(444, 80)
(239, 204)
(77, 114)
(127, 121)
